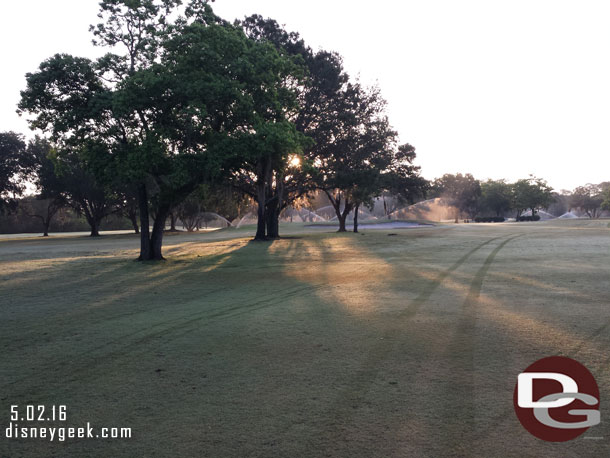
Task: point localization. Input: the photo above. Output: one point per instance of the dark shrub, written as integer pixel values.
(528, 218)
(489, 219)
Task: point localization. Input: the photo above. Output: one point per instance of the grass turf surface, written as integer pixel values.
(319, 344)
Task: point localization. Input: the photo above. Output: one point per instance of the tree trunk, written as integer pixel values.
(273, 221)
(279, 191)
(93, 221)
(134, 222)
(172, 222)
(263, 177)
(145, 246)
(344, 215)
(356, 217)
(95, 228)
(336, 203)
(52, 209)
(342, 227)
(261, 220)
(274, 207)
(156, 239)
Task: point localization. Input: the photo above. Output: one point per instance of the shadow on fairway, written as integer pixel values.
(321, 345)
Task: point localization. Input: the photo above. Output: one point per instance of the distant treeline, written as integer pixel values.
(26, 219)
(473, 198)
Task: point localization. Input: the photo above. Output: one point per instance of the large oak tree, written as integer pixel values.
(353, 153)
(189, 101)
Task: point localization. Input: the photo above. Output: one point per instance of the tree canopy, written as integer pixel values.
(460, 191)
(187, 102)
(589, 199)
(531, 193)
(496, 196)
(353, 154)
(12, 170)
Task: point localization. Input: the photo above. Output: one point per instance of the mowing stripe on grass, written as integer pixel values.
(84, 361)
(350, 398)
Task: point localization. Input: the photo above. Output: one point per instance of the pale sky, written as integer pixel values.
(500, 89)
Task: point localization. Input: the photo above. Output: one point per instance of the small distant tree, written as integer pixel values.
(12, 171)
(362, 193)
(561, 203)
(189, 211)
(41, 209)
(531, 194)
(589, 199)
(199, 207)
(127, 203)
(224, 200)
(606, 198)
(460, 191)
(84, 191)
(495, 196)
(50, 186)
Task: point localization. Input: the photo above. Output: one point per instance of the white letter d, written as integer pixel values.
(525, 383)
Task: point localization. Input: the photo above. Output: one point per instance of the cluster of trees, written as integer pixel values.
(590, 199)
(472, 197)
(497, 198)
(196, 105)
(196, 114)
(59, 182)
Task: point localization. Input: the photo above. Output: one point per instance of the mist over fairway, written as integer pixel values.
(319, 344)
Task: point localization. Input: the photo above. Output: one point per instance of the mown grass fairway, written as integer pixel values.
(319, 344)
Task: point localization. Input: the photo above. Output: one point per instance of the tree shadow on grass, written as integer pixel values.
(312, 358)
(104, 328)
(254, 338)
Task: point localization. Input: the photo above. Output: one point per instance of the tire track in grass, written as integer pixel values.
(592, 336)
(424, 296)
(572, 353)
(457, 389)
(83, 361)
(350, 398)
